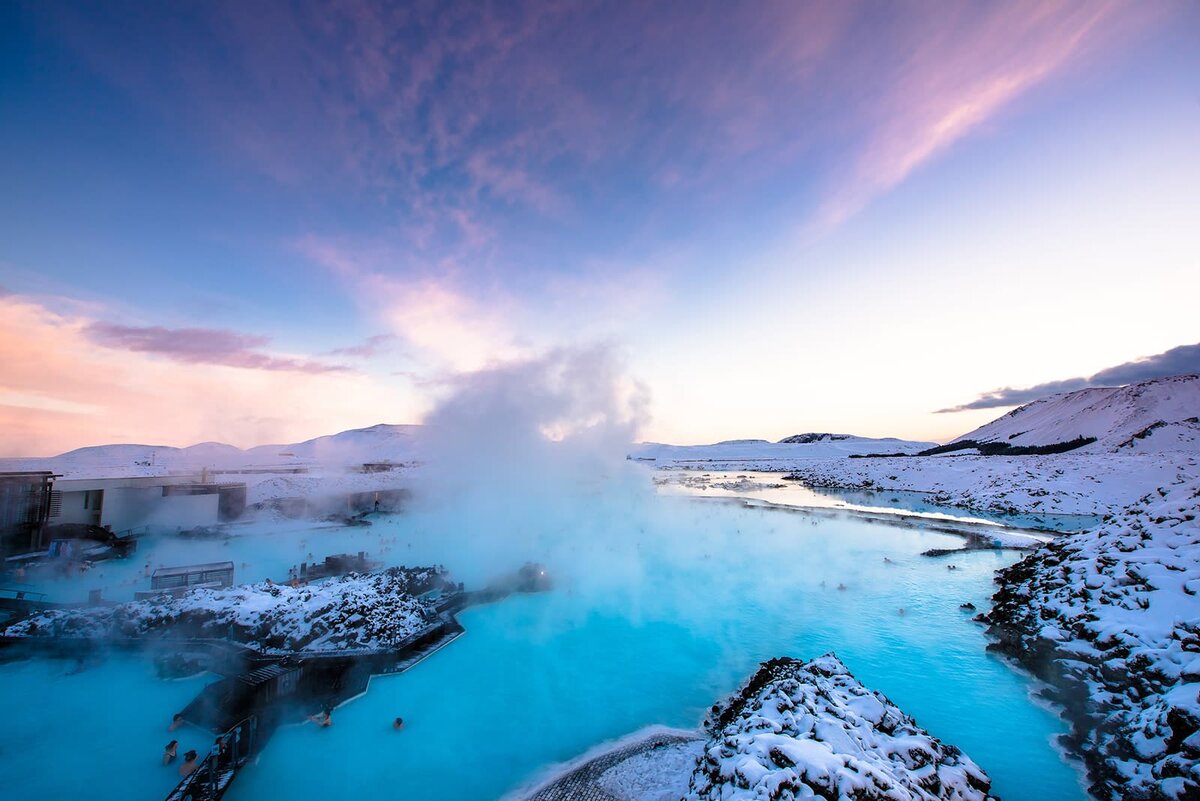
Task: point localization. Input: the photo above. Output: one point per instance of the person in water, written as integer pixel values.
(324, 719)
(189, 764)
(170, 751)
(398, 724)
(176, 721)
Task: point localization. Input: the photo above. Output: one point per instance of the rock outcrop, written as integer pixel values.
(810, 729)
(350, 612)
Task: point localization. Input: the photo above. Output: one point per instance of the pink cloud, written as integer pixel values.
(371, 346)
(201, 346)
(965, 65)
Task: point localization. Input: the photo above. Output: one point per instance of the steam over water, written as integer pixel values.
(662, 605)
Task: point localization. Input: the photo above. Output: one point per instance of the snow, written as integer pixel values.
(1067, 483)
(397, 444)
(346, 613)
(804, 446)
(1115, 610)
(803, 730)
(658, 775)
(1146, 417)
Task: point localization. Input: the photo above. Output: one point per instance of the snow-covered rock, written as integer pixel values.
(811, 730)
(1110, 618)
(1162, 414)
(375, 611)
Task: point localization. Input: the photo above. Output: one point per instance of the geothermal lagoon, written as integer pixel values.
(663, 604)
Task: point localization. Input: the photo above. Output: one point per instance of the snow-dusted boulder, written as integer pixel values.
(1111, 619)
(351, 612)
(804, 730)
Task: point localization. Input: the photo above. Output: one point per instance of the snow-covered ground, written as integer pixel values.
(1111, 618)
(655, 775)
(351, 612)
(795, 447)
(811, 730)
(1065, 483)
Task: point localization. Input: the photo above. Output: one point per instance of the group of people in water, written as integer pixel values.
(171, 752)
(324, 719)
(190, 763)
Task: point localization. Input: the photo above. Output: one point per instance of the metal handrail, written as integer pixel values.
(209, 769)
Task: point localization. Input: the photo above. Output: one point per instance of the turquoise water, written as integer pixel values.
(773, 488)
(95, 734)
(919, 502)
(663, 605)
(652, 629)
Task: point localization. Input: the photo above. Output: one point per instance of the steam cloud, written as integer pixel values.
(529, 455)
(1176, 361)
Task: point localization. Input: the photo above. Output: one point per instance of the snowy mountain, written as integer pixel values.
(378, 443)
(1154, 416)
(797, 446)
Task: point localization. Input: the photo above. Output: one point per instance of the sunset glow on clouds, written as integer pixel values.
(216, 206)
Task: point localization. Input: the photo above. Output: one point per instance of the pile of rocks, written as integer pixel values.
(804, 730)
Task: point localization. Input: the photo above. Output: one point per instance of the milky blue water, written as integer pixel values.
(96, 734)
(661, 609)
(773, 488)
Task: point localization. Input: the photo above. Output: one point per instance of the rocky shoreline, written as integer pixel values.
(1110, 620)
(375, 610)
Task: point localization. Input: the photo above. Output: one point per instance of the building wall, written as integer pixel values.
(130, 507)
(73, 510)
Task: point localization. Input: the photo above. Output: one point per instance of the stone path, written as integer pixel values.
(583, 783)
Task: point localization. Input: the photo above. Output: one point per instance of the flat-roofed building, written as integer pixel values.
(121, 504)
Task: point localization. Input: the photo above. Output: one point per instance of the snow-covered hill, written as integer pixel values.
(378, 443)
(797, 446)
(1153, 416)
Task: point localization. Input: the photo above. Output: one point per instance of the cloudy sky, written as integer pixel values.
(262, 222)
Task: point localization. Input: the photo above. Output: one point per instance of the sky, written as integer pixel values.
(262, 222)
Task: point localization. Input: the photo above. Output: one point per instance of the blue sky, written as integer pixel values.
(785, 216)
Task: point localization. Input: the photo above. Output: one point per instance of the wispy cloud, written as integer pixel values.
(1176, 361)
(202, 346)
(961, 67)
(371, 346)
(444, 112)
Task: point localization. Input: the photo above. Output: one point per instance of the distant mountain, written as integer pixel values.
(378, 443)
(797, 446)
(1162, 414)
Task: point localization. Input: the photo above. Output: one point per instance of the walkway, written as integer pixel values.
(582, 783)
